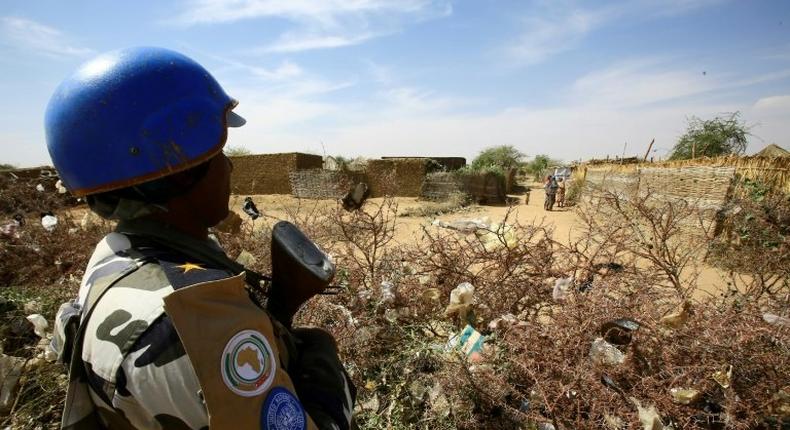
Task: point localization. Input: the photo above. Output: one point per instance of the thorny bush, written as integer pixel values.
(753, 244)
(536, 368)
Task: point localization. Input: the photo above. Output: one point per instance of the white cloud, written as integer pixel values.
(644, 81)
(318, 24)
(30, 36)
(641, 82)
(774, 105)
(295, 42)
(545, 36)
(553, 27)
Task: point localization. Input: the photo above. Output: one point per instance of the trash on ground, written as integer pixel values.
(505, 321)
(387, 292)
(246, 259)
(59, 186)
(684, 396)
(464, 225)
(618, 331)
(648, 416)
(469, 341)
(676, 319)
(603, 352)
(49, 221)
(723, 377)
(40, 324)
(40, 188)
(562, 287)
(461, 301)
(774, 319)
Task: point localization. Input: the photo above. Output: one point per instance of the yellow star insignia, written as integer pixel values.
(190, 266)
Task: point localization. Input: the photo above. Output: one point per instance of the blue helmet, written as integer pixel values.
(135, 115)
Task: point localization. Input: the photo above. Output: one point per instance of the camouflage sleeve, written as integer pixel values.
(156, 384)
(321, 382)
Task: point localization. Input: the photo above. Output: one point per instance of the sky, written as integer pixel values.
(571, 79)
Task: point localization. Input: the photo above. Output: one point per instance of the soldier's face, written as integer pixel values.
(210, 196)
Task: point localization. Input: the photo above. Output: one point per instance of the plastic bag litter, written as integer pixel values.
(676, 319)
(59, 186)
(648, 416)
(505, 321)
(387, 292)
(684, 396)
(246, 259)
(40, 324)
(49, 222)
(603, 352)
(464, 225)
(40, 188)
(461, 300)
(723, 377)
(497, 236)
(774, 319)
(561, 288)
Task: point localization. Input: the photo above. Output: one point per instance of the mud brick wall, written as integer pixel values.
(401, 177)
(443, 163)
(441, 185)
(706, 187)
(269, 173)
(484, 188)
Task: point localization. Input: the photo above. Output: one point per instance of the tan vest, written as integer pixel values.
(234, 351)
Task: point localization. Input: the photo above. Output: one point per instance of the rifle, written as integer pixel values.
(300, 271)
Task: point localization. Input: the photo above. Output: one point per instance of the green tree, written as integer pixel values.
(503, 156)
(537, 167)
(4, 166)
(712, 138)
(236, 151)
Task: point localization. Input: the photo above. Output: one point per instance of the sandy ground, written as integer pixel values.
(564, 220)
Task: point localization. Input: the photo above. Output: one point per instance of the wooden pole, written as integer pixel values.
(649, 147)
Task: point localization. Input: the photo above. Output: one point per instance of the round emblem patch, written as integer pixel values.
(282, 411)
(248, 364)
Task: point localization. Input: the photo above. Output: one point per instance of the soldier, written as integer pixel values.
(163, 333)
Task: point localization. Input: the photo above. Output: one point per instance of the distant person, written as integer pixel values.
(561, 192)
(550, 185)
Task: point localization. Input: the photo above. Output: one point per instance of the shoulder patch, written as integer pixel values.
(183, 273)
(248, 364)
(282, 411)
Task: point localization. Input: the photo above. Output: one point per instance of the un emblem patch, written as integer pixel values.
(282, 411)
(248, 364)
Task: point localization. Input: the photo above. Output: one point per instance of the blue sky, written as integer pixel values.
(572, 79)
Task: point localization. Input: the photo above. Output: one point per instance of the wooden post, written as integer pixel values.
(649, 147)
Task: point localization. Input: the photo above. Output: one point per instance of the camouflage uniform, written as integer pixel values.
(134, 372)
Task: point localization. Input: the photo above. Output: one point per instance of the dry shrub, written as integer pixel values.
(754, 243)
(507, 263)
(545, 373)
(20, 196)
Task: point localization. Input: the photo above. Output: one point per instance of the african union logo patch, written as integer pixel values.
(282, 411)
(248, 365)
